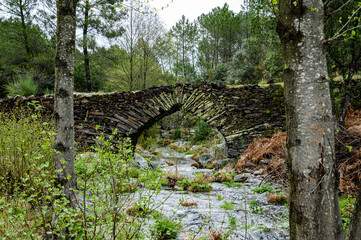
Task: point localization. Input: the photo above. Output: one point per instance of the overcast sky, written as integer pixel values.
(190, 8)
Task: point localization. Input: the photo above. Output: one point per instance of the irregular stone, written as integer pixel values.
(224, 162)
(140, 162)
(211, 165)
(204, 159)
(264, 161)
(195, 148)
(258, 172)
(195, 164)
(240, 178)
(218, 151)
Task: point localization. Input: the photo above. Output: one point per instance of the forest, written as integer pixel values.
(51, 189)
(126, 49)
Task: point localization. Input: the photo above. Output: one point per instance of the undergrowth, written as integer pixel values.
(33, 207)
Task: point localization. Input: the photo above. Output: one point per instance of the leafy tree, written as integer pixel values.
(104, 19)
(185, 34)
(20, 9)
(222, 33)
(343, 54)
(14, 61)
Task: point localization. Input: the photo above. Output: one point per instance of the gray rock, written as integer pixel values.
(240, 178)
(258, 172)
(140, 162)
(218, 151)
(204, 159)
(195, 148)
(224, 162)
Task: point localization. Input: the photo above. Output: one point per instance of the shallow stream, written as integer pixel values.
(249, 217)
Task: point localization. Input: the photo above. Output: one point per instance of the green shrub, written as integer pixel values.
(228, 205)
(104, 176)
(253, 205)
(177, 134)
(165, 228)
(25, 142)
(148, 138)
(263, 188)
(24, 86)
(202, 131)
(346, 206)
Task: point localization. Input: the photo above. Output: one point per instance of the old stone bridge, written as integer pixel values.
(240, 114)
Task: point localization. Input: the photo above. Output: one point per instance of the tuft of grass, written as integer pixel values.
(165, 228)
(188, 204)
(200, 183)
(263, 188)
(24, 86)
(228, 205)
(253, 205)
(346, 206)
(277, 198)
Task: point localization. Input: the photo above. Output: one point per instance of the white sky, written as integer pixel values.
(190, 8)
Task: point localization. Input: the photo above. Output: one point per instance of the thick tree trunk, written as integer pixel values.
(314, 207)
(63, 107)
(85, 47)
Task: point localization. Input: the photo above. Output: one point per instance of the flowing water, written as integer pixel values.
(249, 217)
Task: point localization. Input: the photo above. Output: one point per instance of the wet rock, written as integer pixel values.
(211, 165)
(258, 172)
(204, 159)
(140, 162)
(240, 178)
(218, 151)
(195, 148)
(221, 163)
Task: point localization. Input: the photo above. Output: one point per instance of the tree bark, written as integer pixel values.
(85, 47)
(354, 231)
(24, 29)
(314, 207)
(63, 107)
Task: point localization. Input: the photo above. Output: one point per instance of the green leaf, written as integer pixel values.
(313, 9)
(295, 3)
(349, 148)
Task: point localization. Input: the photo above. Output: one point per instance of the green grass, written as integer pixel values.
(24, 86)
(228, 205)
(263, 188)
(346, 207)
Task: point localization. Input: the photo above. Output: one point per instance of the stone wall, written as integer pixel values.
(240, 114)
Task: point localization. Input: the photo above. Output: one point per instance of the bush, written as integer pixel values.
(202, 131)
(24, 86)
(25, 151)
(165, 228)
(32, 207)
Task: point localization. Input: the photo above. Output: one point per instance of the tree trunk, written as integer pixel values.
(63, 107)
(85, 47)
(314, 207)
(23, 27)
(354, 232)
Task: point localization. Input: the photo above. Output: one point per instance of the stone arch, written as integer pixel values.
(196, 101)
(240, 114)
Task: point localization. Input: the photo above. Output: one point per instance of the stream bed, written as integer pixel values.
(235, 212)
